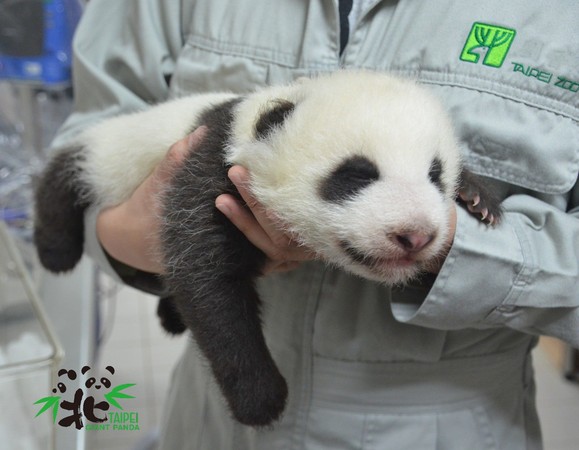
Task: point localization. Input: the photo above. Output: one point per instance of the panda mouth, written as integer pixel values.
(374, 261)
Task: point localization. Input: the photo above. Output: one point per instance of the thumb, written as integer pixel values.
(177, 154)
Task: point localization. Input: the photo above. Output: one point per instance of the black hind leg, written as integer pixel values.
(169, 316)
(479, 199)
(59, 217)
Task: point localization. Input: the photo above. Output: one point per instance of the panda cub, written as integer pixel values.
(358, 166)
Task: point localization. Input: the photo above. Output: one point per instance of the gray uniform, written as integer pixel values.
(442, 365)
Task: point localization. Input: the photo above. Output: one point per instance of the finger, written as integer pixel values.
(282, 246)
(276, 267)
(277, 250)
(241, 179)
(246, 222)
(177, 154)
(196, 137)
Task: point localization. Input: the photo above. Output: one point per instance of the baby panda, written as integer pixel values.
(358, 166)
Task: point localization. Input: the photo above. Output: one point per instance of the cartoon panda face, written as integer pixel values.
(93, 382)
(369, 176)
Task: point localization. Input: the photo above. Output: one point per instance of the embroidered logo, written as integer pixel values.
(489, 40)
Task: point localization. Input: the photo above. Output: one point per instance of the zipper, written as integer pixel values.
(354, 26)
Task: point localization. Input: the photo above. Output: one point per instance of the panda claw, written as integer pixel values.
(484, 213)
(476, 200)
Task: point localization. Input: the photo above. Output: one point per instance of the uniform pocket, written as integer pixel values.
(465, 403)
(240, 45)
(468, 428)
(507, 74)
(205, 67)
(507, 140)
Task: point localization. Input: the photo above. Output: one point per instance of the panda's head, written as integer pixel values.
(359, 166)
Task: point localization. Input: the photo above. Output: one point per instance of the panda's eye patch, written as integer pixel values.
(348, 179)
(435, 174)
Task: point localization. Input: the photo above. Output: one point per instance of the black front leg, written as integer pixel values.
(213, 289)
(210, 269)
(227, 328)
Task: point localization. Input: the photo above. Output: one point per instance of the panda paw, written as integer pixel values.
(258, 401)
(479, 199)
(169, 316)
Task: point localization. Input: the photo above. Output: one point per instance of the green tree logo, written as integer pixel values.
(495, 40)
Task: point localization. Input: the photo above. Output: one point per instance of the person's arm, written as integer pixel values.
(523, 274)
(124, 55)
(129, 231)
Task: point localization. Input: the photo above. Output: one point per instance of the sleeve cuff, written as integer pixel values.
(144, 281)
(479, 281)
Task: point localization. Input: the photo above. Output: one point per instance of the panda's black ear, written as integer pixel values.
(273, 117)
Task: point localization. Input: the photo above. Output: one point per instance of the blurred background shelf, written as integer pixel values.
(30, 354)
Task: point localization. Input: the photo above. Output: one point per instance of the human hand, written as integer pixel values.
(129, 231)
(257, 224)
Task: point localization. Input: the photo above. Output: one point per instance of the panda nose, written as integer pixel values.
(413, 242)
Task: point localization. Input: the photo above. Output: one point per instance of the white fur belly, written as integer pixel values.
(121, 152)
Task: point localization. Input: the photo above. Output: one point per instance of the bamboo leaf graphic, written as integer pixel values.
(49, 402)
(116, 393)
